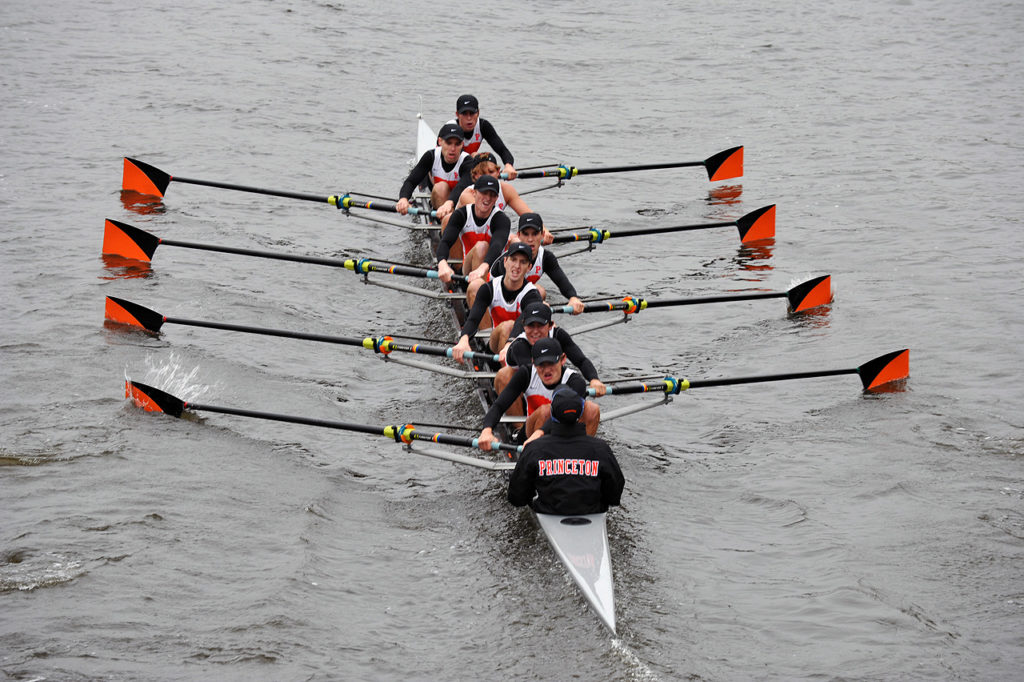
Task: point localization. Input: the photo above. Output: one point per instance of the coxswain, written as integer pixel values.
(537, 383)
(478, 232)
(537, 324)
(499, 302)
(443, 166)
(484, 163)
(476, 130)
(531, 232)
(567, 472)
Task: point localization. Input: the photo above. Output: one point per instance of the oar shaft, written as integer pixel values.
(315, 260)
(639, 167)
(633, 303)
(265, 331)
(348, 202)
(597, 236)
(702, 383)
(254, 190)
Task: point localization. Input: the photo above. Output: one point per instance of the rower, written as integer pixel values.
(537, 384)
(443, 166)
(485, 163)
(537, 324)
(476, 130)
(481, 231)
(499, 301)
(567, 472)
(531, 232)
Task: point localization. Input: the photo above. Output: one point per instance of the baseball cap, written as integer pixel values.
(449, 130)
(566, 406)
(531, 221)
(546, 350)
(467, 104)
(537, 312)
(519, 247)
(487, 183)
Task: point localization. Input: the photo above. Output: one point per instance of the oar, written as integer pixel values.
(346, 202)
(128, 241)
(874, 374)
(804, 296)
(154, 400)
(754, 226)
(722, 166)
(141, 177)
(125, 312)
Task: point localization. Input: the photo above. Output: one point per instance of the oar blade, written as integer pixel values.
(125, 312)
(757, 225)
(153, 399)
(127, 241)
(886, 371)
(810, 294)
(143, 178)
(725, 165)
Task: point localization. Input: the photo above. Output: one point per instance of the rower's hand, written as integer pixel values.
(599, 388)
(459, 350)
(485, 439)
(402, 206)
(502, 353)
(548, 237)
(445, 209)
(534, 436)
(445, 272)
(510, 171)
(577, 305)
(478, 272)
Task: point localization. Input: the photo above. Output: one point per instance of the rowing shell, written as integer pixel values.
(581, 542)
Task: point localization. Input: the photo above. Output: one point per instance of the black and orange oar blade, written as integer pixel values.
(883, 373)
(725, 164)
(125, 312)
(144, 178)
(810, 294)
(753, 227)
(722, 166)
(154, 400)
(128, 241)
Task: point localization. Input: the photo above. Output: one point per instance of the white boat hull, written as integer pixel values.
(581, 543)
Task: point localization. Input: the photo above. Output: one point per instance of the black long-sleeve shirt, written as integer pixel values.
(483, 301)
(517, 385)
(500, 228)
(549, 266)
(569, 472)
(421, 172)
(520, 352)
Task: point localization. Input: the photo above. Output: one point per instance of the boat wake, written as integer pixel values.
(636, 669)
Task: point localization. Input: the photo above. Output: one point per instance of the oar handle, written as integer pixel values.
(346, 202)
(408, 433)
(364, 266)
(667, 385)
(385, 345)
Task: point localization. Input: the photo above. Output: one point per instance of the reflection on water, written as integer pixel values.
(724, 195)
(142, 204)
(119, 267)
(756, 256)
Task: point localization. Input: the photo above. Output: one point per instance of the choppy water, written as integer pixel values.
(799, 530)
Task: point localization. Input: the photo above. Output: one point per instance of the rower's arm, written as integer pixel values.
(575, 354)
(483, 301)
(492, 138)
(500, 228)
(515, 388)
(558, 276)
(420, 171)
(450, 235)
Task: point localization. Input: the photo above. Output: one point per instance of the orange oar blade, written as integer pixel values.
(725, 165)
(153, 399)
(142, 178)
(125, 312)
(885, 369)
(810, 294)
(757, 225)
(122, 239)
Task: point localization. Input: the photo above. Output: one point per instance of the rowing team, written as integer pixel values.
(503, 272)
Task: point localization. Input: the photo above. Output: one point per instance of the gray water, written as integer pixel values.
(794, 530)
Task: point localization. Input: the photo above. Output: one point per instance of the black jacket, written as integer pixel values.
(569, 472)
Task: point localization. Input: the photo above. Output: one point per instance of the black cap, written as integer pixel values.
(531, 221)
(566, 406)
(537, 312)
(546, 350)
(519, 247)
(487, 183)
(467, 104)
(481, 157)
(449, 130)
